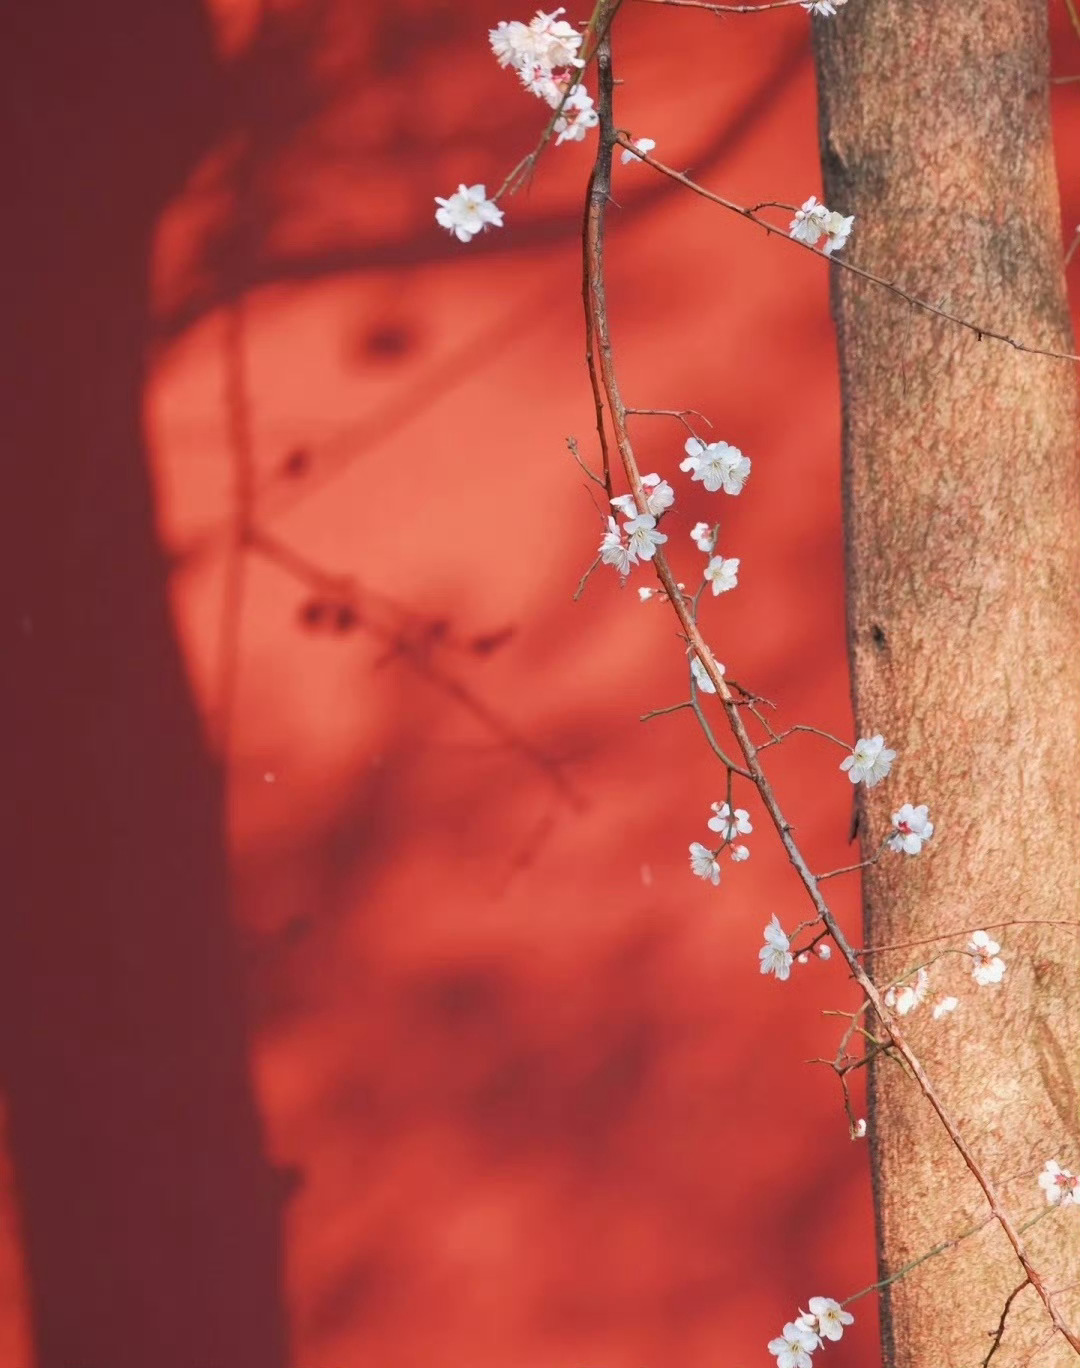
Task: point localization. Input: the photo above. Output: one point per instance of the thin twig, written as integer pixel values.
(1000, 1331)
(743, 211)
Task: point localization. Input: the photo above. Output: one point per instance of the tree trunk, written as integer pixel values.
(962, 500)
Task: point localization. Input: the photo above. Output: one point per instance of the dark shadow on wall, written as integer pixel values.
(150, 1218)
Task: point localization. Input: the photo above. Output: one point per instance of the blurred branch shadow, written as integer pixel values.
(149, 1212)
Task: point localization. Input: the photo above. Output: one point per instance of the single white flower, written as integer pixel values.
(659, 495)
(869, 762)
(614, 551)
(646, 594)
(908, 996)
(944, 1007)
(644, 538)
(826, 1318)
(987, 966)
(739, 853)
(645, 145)
(703, 862)
(722, 574)
(1062, 1188)
(809, 222)
(803, 957)
(703, 537)
(559, 40)
(513, 44)
(701, 678)
(794, 1347)
(913, 829)
(717, 465)
(577, 117)
(730, 824)
(859, 1133)
(467, 211)
(776, 958)
(824, 950)
(837, 231)
(823, 7)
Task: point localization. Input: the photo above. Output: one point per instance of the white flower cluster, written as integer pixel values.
(638, 538)
(703, 861)
(987, 967)
(1062, 1188)
(544, 53)
(813, 222)
(825, 1320)
(717, 465)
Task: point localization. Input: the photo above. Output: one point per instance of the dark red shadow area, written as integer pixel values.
(358, 1006)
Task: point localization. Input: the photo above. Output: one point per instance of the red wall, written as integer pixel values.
(452, 1061)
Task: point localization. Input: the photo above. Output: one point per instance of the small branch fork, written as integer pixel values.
(599, 345)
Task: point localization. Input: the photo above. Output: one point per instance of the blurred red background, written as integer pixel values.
(358, 1004)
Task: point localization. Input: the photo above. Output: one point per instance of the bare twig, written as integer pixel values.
(743, 211)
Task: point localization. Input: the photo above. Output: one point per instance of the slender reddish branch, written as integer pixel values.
(599, 190)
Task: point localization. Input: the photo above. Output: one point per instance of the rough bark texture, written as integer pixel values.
(963, 539)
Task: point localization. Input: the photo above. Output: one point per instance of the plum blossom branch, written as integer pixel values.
(597, 319)
(980, 331)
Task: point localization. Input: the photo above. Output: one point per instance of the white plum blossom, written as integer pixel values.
(776, 958)
(869, 762)
(794, 1347)
(716, 464)
(809, 222)
(701, 678)
(625, 505)
(577, 117)
(703, 537)
(1062, 1188)
(644, 538)
(813, 221)
(467, 211)
(659, 495)
(722, 574)
(837, 231)
(944, 1007)
(859, 1131)
(739, 853)
(908, 996)
(645, 145)
(824, 950)
(546, 43)
(646, 594)
(987, 966)
(803, 957)
(703, 862)
(913, 829)
(730, 824)
(826, 1318)
(614, 551)
(823, 7)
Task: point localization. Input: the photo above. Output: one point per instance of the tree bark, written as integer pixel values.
(962, 499)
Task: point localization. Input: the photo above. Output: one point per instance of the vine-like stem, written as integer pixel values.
(597, 319)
